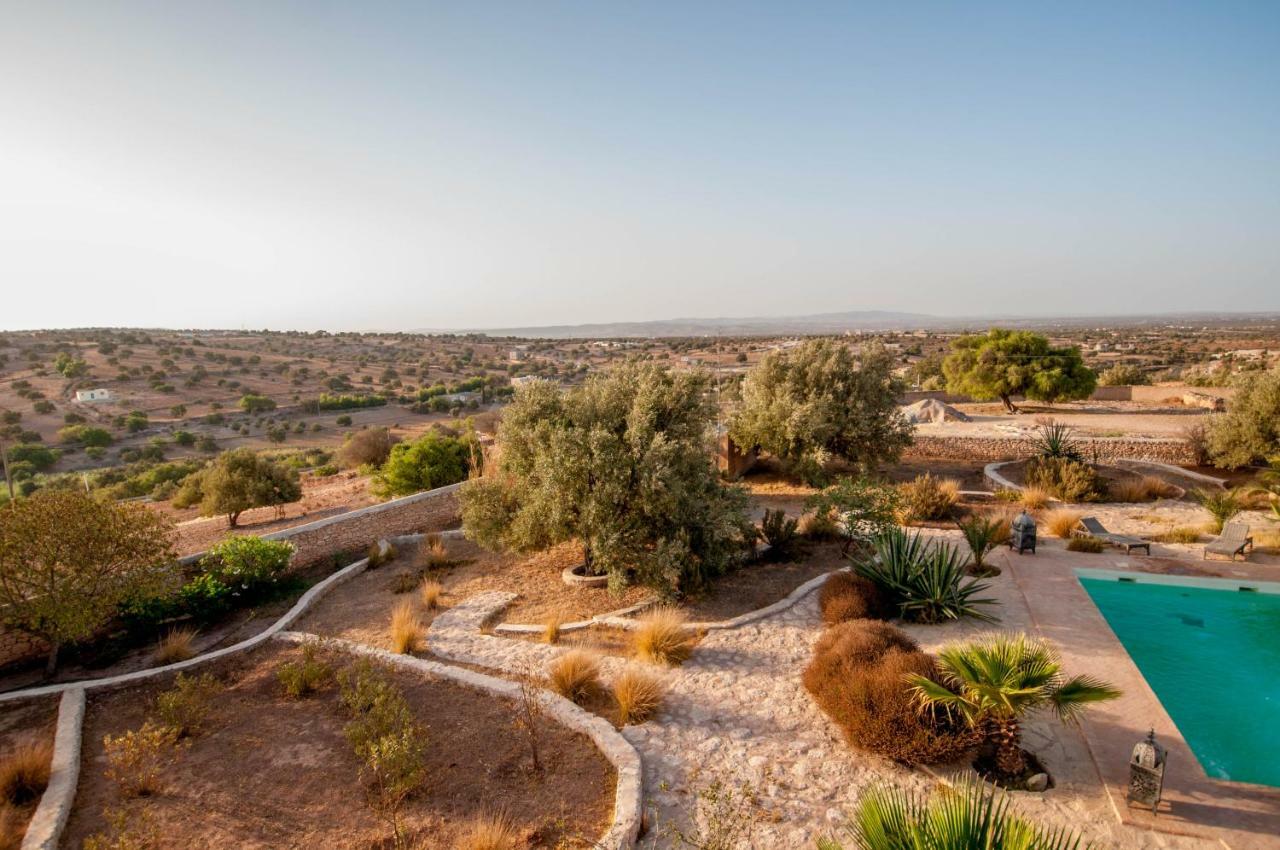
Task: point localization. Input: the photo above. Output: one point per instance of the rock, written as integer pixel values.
(1039, 782)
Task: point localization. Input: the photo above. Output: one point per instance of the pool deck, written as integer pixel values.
(1238, 815)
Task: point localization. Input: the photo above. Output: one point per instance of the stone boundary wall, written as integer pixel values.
(430, 510)
(1148, 395)
(1102, 449)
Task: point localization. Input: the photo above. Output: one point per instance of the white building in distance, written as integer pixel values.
(94, 395)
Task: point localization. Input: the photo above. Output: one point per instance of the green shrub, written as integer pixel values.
(780, 532)
(925, 580)
(433, 460)
(204, 598)
(251, 403)
(984, 533)
(306, 675)
(861, 508)
(85, 435)
(185, 707)
(247, 561)
(342, 421)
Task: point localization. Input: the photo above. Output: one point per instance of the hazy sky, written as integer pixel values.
(390, 166)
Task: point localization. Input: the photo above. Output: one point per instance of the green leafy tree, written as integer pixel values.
(1122, 375)
(1003, 364)
(251, 403)
(67, 561)
(433, 460)
(622, 463)
(1250, 429)
(821, 401)
(236, 481)
(994, 680)
(863, 509)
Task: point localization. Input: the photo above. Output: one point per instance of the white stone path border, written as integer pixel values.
(625, 825)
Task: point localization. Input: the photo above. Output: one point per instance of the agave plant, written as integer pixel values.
(968, 814)
(983, 533)
(1054, 439)
(1222, 505)
(995, 679)
(925, 580)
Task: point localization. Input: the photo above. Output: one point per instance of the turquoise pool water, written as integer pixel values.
(1212, 656)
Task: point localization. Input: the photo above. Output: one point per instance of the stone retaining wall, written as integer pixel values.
(1103, 450)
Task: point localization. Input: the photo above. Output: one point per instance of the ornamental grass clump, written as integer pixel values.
(430, 592)
(928, 497)
(175, 646)
(1069, 480)
(1062, 521)
(575, 676)
(663, 636)
(406, 629)
(492, 831)
(926, 581)
(1085, 543)
(1222, 505)
(637, 694)
(24, 772)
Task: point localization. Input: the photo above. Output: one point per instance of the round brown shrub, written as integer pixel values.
(858, 678)
(846, 596)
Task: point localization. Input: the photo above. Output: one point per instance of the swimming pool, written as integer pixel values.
(1211, 653)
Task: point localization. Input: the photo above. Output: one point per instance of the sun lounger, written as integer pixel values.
(1234, 540)
(1091, 527)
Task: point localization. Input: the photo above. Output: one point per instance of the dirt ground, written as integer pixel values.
(1089, 418)
(967, 472)
(272, 772)
(321, 498)
(360, 609)
(757, 585)
(29, 720)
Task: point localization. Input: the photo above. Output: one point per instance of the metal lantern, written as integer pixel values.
(1022, 533)
(1146, 772)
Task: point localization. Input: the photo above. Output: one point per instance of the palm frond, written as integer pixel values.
(1071, 697)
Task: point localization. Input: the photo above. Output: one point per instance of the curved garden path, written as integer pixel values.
(737, 712)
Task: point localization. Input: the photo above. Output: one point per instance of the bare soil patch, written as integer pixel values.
(756, 585)
(967, 472)
(360, 609)
(273, 772)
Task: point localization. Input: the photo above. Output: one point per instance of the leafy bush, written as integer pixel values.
(1085, 543)
(85, 435)
(847, 596)
(433, 460)
(184, 708)
(1069, 480)
(205, 598)
(40, 457)
(349, 402)
(1250, 429)
(136, 757)
(926, 581)
(1122, 375)
(928, 498)
(342, 421)
(307, 675)
(251, 403)
(861, 508)
(858, 678)
(368, 446)
(780, 532)
(247, 562)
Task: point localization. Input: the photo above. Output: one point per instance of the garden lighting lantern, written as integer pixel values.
(1146, 772)
(1022, 533)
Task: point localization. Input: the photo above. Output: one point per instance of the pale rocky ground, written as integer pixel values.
(1090, 418)
(737, 712)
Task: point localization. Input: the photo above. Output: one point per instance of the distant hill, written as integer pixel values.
(850, 322)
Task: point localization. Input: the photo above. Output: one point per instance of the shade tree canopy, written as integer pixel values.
(1002, 364)
(236, 481)
(621, 463)
(821, 401)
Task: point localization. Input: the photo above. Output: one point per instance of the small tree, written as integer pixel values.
(432, 460)
(622, 463)
(1250, 429)
(863, 509)
(67, 561)
(368, 446)
(820, 401)
(251, 403)
(236, 481)
(1006, 363)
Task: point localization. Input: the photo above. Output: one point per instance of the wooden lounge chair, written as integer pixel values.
(1234, 540)
(1091, 527)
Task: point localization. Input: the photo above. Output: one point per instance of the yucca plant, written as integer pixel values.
(926, 581)
(1054, 439)
(983, 533)
(1222, 505)
(967, 815)
(995, 679)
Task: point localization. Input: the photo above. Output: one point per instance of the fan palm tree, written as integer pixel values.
(995, 679)
(968, 815)
(1222, 505)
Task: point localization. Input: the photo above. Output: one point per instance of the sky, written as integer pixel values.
(396, 166)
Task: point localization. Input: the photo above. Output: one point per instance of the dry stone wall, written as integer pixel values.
(1102, 450)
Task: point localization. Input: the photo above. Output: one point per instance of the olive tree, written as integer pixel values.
(623, 464)
(821, 401)
(67, 561)
(236, 481)
(1003, 364)
(1250, 429)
